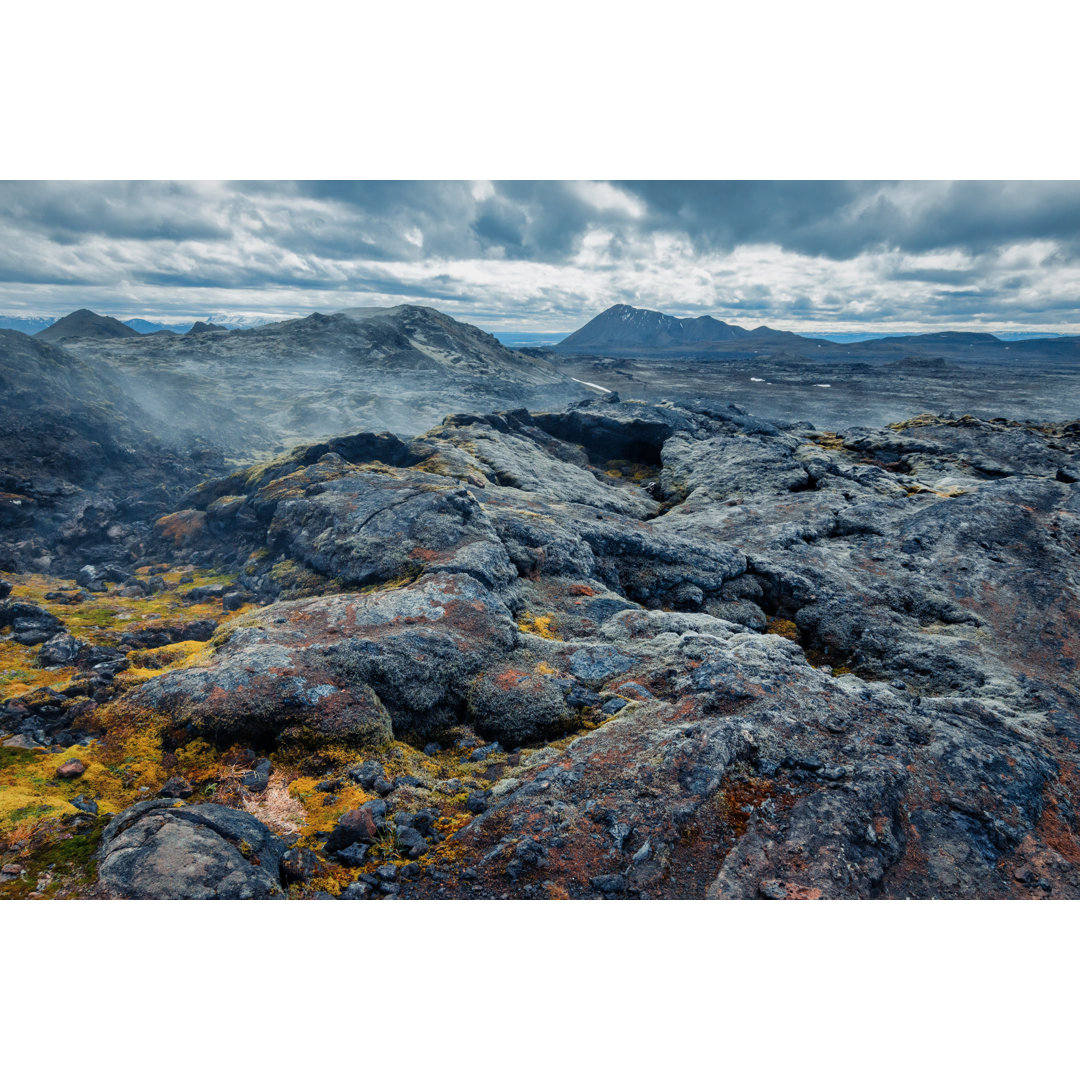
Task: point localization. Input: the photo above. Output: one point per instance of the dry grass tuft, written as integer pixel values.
(275, 807)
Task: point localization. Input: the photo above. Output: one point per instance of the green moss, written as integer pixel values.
(11, 756)
(102, 619)
(297, 581)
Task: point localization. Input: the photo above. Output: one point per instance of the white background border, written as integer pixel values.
(604, 90)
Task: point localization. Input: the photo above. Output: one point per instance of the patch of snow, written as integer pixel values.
(752, 379)
(823, 385)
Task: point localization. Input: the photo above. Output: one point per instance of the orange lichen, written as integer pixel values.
(182, 527)
(507, 680)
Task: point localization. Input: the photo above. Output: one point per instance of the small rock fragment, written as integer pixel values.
(176, 787)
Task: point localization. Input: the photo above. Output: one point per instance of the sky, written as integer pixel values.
(810, 256)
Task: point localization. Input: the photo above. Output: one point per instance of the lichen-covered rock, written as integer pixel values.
(368, 526)
(158, 850)
(519, 706)
(352, 668)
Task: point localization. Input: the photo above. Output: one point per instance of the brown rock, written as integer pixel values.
(72, 769)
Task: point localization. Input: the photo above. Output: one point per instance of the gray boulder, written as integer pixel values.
(157, 850)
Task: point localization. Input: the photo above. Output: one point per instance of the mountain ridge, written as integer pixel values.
(315, 377)
(622, 330)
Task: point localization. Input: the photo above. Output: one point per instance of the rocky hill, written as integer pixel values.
(618, 650)
(87, 324)
(79, 459)
(281, 384)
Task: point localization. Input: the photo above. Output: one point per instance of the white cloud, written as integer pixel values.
(541, 256)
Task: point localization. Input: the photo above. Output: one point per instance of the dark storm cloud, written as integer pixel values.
(146, 210)
(839, 219)
(554, 250)
(547, 220)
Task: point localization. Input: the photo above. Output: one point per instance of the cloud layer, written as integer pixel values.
(548, 255)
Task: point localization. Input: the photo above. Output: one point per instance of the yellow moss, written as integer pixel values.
(19, 673)
(320, 818)
(922, 420)
(544, 668)
(198, 761)
(117, 772)
(149, 663)
(434, 465)
(540, 625)
(179, 654)
(101, 619)
(411, 573)
(333, 881)
(784, 628)
(828, 440)
(633, 471)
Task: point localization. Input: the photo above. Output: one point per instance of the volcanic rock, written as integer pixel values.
(160, 851)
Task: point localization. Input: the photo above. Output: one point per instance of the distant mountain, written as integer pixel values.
(240, 321)
(624, 332)
(365, 369)
(628, 330)
(1024, 335)
(146, 326)
(944, 337)
(625, 327)
(205, 328)
(86, 324)
(26, 324)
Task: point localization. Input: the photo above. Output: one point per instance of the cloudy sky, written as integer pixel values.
(547, 255)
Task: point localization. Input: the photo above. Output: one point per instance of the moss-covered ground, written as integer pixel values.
(48, 844)
(40, 830)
